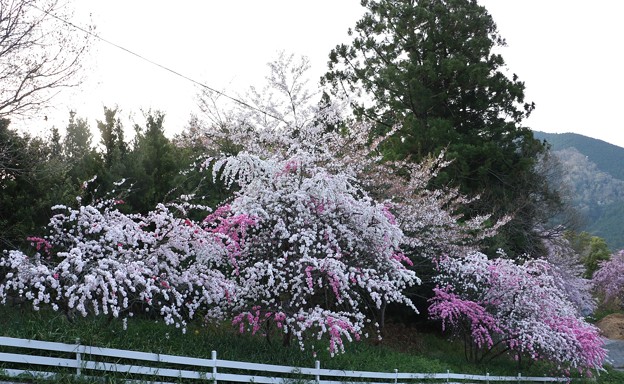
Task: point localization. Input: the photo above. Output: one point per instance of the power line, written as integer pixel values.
(155, 63)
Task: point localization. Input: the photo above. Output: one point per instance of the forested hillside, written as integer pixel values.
(594, 174)
(608, 158)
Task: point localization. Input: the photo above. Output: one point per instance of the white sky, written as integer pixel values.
(568, 52)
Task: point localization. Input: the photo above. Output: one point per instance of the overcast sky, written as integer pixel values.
(568, 52)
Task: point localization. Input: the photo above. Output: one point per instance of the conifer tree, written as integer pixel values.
(431, 66)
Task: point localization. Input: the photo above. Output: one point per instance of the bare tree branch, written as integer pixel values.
(39, 54)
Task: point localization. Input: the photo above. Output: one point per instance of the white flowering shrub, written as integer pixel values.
(609, 279)
(295, 123)
(97, 260)
(333, 221)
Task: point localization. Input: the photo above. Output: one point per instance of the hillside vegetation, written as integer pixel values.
(593, 174)
(608, 158)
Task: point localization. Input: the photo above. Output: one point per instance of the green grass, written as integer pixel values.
(405, 349)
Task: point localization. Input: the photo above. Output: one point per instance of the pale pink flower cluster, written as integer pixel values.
(609, 278)
(567, 271)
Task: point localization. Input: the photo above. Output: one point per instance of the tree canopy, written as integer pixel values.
(432, 66)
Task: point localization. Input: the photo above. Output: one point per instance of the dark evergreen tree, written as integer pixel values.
(430, 66)
(32, 180)
(155, 164)
(56, 148)
(83, 159)
(112, 137)
(78, 138)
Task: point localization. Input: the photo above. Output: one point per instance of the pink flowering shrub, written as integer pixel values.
(505, 307)
(466, 317)
(609, 279)
(106, 262)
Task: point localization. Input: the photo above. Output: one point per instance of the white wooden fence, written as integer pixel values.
(44, 359)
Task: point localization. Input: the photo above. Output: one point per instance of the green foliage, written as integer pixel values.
(612, 376)
(160, 171)
(38, 173)
(598, 252)
(31, 174)
(430, 66)
(112, 137)
(78, 138)
(153, 166)
(592, 250)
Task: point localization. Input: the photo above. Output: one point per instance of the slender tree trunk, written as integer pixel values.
(382, 317)
(286, 339)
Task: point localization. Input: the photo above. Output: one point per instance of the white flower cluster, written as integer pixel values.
(333, 220)
(99, 260)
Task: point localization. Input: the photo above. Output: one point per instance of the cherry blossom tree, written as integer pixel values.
(289, 117)
(288, 142)
(499, 306)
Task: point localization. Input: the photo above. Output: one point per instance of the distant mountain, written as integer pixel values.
(593, 172)
(608, 157)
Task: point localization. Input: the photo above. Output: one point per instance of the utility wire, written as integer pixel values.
(156, 63)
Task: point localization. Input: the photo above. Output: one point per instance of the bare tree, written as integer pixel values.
(40, 52)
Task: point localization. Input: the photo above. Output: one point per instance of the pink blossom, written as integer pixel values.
(519, 304)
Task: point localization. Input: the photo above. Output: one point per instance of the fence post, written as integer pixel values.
(78, 357)
(214, 367)
(317, 366)
(448, 375)
(396, 375)
(487, 377)
(519, 377)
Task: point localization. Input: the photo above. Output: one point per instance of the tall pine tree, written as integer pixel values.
(431, 66)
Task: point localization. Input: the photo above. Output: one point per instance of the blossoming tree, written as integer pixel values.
(609, 279)
(568, 273)
(314, 182)
(320, 255)
(499, 306)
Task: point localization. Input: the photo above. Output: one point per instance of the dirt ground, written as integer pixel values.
(612, 326)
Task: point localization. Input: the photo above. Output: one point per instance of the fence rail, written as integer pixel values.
(36, 358)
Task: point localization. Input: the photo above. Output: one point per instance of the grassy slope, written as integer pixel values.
(404, 349)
